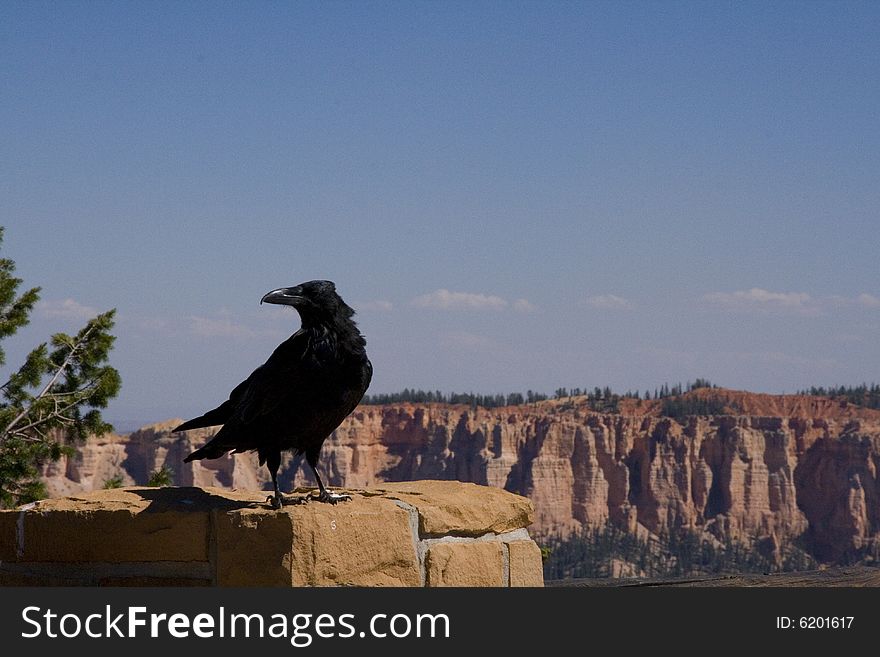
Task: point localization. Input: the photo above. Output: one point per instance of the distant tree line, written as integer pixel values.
(863, 395)
(420, 396)
(605, 400)
(591, 553)
(677, 407)
(598, 399)
(664, 391)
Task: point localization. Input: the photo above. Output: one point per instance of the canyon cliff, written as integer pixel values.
(777, 468)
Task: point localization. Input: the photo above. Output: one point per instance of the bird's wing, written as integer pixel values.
(264, 392)
(273, 383)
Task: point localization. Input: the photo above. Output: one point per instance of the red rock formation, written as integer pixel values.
(776, 476)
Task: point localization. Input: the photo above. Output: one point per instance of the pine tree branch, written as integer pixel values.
(10, 428)
(56, 414)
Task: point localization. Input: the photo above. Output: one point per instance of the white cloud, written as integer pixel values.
(760, 299)
(380, 305)
(445, 300)
(610, 302)
(524, 306)
(868, 300)
(758, 296)
(65, 309)
(465, 340)
(223, 327)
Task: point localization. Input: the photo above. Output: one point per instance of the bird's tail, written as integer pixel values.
(211, 450)
(209, 419)
(186, 426)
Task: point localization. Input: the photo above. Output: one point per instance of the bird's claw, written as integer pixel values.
(279, 501)
(331, 498)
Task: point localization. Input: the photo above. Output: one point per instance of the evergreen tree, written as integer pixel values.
(52, 400)
(113, 482)
(161, 477)
(514, 399)
(863, 395)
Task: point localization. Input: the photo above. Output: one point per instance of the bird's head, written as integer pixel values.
(316, 301)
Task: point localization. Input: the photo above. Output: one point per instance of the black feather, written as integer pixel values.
(309, 384)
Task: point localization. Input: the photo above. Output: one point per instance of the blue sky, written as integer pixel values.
(512, 195)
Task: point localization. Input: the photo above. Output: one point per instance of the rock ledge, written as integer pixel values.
(421, 533)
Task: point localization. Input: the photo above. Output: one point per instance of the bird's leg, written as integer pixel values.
(273, 462)
(324, 495)
(278, 500)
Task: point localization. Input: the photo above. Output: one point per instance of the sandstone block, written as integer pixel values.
(116, 525)
(364, 542)
(477, 563)
(526, 567)
(462, 509)
(202, 536)
(253, 548)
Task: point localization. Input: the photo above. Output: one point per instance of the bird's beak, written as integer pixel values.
(285, 296)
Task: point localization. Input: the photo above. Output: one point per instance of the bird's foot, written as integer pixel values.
(331, 498)
(279, 501)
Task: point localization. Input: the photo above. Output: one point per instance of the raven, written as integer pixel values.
(294, 400)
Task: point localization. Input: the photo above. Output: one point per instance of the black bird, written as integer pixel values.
(294, 400)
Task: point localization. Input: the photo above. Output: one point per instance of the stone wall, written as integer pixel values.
(423, 533)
